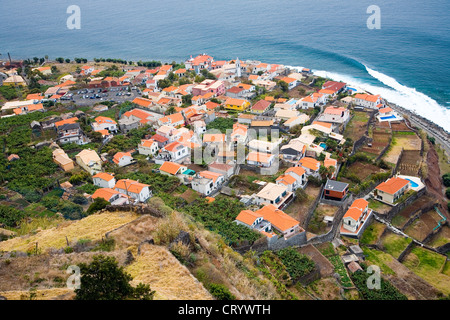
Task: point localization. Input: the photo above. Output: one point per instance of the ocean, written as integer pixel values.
(407, 60)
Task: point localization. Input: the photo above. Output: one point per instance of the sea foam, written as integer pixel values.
(408, 98)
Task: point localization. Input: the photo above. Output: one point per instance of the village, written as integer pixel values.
(300, 161)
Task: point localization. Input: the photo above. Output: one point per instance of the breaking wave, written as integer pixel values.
(395, 92)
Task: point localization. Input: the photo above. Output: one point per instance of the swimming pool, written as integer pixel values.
(323, 145)
(413, 184)
(189, 172)
(388, 117)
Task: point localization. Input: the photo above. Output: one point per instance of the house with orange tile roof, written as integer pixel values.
(260, 159)
(114, 197)
(310, 165)
(356, 219)
(207, 182)
(142, 102)
(254, 220)
(173, 151)
(211, 105)
(148, 147)
(174, 120)
(280, 221)
(35, 96)
(290, 81)
(299, 174)
(391, 190)
(239, 135)
(217, 138)
(261, 106)
(200, 62)
(104, 123)
(313, 100)
(237, 104)
(44, 70)
(172, 168)
(104, 180)
(336, 86)
(29, 109)
(367, 100)
(69, 130)
(140, 192)
(336, 115)
(123, 159)
(287, 181)
(332, 164)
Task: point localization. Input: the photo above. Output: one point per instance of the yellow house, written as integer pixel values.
(237, 104)
(14, 80)
(61, 159)
(90, 161)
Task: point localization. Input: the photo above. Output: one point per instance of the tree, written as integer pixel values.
(446, 179)
(98, 204)
(283, 85)
(67, 60)
(60, 59)
(103, 279)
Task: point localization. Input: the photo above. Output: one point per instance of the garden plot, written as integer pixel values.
(423, 226)
(402, 141)
(429, 266)
(403, 216)
(381, 138)
(394, 244)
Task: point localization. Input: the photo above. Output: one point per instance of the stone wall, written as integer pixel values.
(391, 214)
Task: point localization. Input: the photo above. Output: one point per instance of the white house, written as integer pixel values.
(123, 159)
(139, 191)
(264, 146)
(367, 100)
(207, 182)
(148, 147)
(337, 115)
(274, 194)
(104, 180)
(105, 123)
(174, 151)
(260, 159)
(356, 218)
(112, 196)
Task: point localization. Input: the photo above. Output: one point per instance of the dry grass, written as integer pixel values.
(92, 227)
(42, 294)
(157, 267)
(135, 232)
(399, 142)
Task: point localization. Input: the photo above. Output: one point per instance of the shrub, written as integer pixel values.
(103, 279)
(446, 179)
(98, 204)
(220, 292)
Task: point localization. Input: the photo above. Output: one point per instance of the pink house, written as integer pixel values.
(216, 87)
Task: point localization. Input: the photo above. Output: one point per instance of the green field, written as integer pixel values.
(429, 266)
